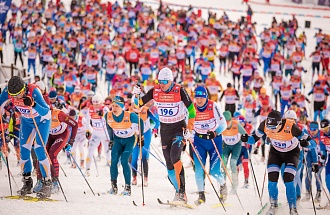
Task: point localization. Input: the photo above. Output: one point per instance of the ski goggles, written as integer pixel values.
(163, 82)
(18, 93)
(313, 129)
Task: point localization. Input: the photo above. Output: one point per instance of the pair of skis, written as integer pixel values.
(30, 198)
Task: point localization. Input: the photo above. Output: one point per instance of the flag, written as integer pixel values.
(4, 7)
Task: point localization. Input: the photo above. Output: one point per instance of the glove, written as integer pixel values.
(110, 145)
(71, 141)
(244, 138)
(28, 101)
(68, 148)
(187, 134)
(322, 160)
(88, 135)
(211, 135)
(315, 167)
(155, 132)
(304, 143)
(137, 89)
(100, 112)
(142, 142)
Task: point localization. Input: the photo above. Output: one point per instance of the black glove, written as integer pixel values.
(244, 138)
(100, 112)
(315, 167)
(28, 101)
(71, 141)
(210, 135)
(110, 145)
(88, 135)
(142, 142)
(304, 143)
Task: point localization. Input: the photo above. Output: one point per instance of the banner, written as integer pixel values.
(4, 7)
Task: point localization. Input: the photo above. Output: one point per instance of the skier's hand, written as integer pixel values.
(137, 89)
(110, 145)
(211, 135)
(244, 138)
(140, 141)
(88, 135)
(28, 101)
(322, 160)
(71, 141)
(315, 167)
(187, 134)
(304, 143)
(68, 148)
(155, 132)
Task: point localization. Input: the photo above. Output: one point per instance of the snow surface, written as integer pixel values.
(82, 201)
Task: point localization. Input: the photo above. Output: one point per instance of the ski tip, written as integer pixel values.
(159, 201)
(134, 203)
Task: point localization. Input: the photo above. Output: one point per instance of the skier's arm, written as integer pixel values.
(135, 120)
(40, 104)
(185, 98)
(109, 129)
(145, 99)
(154, 118)
(70, 122)
(313, 150)
(241, 129)
(220, 119)
(258, 133)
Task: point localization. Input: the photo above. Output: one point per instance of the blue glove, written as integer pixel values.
(251, 140)
(68, 148)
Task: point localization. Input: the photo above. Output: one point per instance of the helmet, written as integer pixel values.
(165, 74)
(41, 85)
(90, 94)
(97, 99)
(290, 114)
(15, 85)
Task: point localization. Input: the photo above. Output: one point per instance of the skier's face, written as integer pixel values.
(200, 101)
(165, 86)
(117, 110)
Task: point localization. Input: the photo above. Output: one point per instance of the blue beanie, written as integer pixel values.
(52, 94)
(119, 101)
(201, 92)
(314, 125)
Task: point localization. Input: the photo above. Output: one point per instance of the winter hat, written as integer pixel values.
(324, 123)
(227, 115)
(52, 95)
(119, 101)
(15, 86)
(273, 119)
(165, 74)
(236, 114)
(313, 126)
(72, 112)
(200, 92)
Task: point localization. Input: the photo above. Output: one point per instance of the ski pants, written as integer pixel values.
(122, 148)
(79, 143)
(94, 142)
(203, 148)
(27, 134)
(145, 155)
(310, 175)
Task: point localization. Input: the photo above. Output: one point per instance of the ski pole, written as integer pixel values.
(63, 170)
(255, 180)
(208, 176)
(82, 174)
(5, 146)
(310, 185)
(134, 168)
(157, 151)
(154, 156)
(319, 180)
(140, 146)
(3, 158)
(43, 144)
(225, 168)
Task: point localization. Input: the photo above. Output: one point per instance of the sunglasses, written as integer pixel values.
(313, 129)
(17, 94)
(107, 103)
(272, 127)
(163, 81)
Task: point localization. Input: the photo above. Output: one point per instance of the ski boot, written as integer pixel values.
(293, 211)
(176, 196)
(145, 181)
(38, 186)
(246, 183)
(307, 196)
(134, 182)
(273, 209)
(201, 198)
(180, 197)
(27, 186)
(223, 192)
(46, 189)
(127, 190)
(55, 185)
(88, 172)
(317, 198)
(114, 188)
